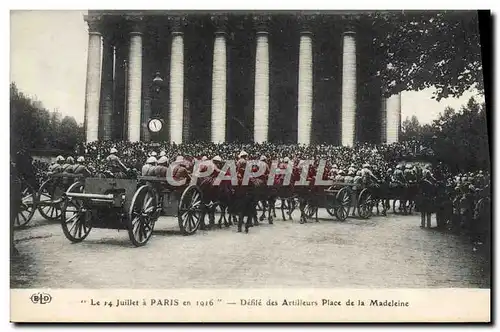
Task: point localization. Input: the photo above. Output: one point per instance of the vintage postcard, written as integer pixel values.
(249, 166)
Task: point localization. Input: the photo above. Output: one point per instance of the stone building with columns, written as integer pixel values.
(236, 77)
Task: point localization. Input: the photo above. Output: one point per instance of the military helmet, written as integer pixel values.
(163, 160)
(151, 160)
(80, 159)
(60, 159)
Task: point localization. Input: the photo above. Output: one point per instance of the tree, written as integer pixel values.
(462, 137)
(34, 127)
(417, 50)
(412, 130)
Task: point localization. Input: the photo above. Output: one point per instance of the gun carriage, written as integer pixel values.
(127, 204)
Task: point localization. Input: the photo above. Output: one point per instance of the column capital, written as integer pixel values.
(306, 22)
(94, 23)
(350, 27)
(220, 23)
(261, 23)
(177, 24)
(136, 23)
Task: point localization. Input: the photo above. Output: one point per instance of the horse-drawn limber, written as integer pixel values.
(127, 204)
(340, 199)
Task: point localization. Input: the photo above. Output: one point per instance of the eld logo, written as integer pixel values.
(41, 298)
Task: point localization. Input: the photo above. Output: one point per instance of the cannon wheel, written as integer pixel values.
(330, 203)
(343, 204)
(310, 210)
(46, 197)
(190, 210)
(28, 206)
(365, 204)
(142, 215)
(74, 213)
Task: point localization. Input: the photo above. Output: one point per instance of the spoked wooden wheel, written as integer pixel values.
(365, 204)
(343, 204)
(27, 207)
(142, 215)
(330, 204)
(190, 210)
(49, 200)
(310, 210)
(76, 219)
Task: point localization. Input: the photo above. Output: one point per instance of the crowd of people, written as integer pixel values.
(134, 154)
(386, 162)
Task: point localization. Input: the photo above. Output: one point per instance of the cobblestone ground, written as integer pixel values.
(390, 252)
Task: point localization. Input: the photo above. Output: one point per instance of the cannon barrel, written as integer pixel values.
(108, 197)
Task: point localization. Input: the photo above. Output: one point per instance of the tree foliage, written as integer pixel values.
(458, 138)
(34, 127)
(418, 50)
(411, 129)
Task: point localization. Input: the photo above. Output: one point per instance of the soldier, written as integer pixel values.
(180, 172)
(349, 178)
(427, 174)
(115, 165)
(241, 163)
(357, 180)
(264, 163)
(333, 172)
(367, 175)
(68, 166)
(352, 169)
(409, 174)
(388, 176)
(162, 167)
(80, 167)
(151, 170)
(56, 167)
(340, 177)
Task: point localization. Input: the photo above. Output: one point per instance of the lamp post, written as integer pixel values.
(156, 123)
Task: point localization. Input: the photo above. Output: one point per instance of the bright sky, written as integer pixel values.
(49, 59)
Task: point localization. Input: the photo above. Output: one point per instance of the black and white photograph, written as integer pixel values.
(241, 150)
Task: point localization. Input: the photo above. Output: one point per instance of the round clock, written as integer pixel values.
(155, 125)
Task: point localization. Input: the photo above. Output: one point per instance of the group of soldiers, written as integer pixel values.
(157, 165)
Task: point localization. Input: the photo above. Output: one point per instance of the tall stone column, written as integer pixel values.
(107, 90)
(146, 113)
(134, 94)
(261, 106)
(393, 118)
(93, 82)
(383, 121)
(177, 81)
(219, 82)
(119, 90)
(348, 117)
(187, 119)
(305, 90)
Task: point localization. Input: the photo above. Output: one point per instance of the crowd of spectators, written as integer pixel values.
(134, 154)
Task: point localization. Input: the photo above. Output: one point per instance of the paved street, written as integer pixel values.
(389, 252)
